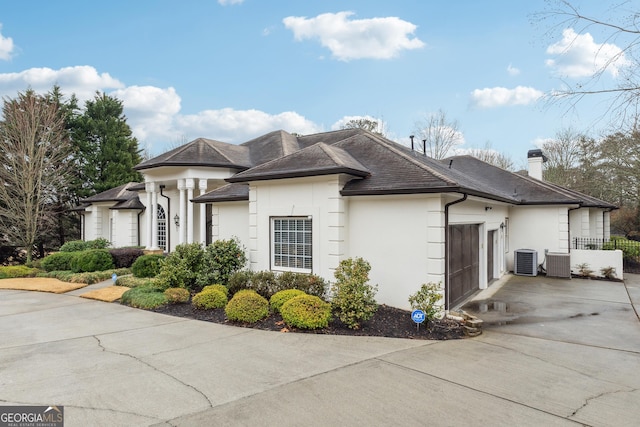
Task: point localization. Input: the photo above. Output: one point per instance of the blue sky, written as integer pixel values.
(234, 69)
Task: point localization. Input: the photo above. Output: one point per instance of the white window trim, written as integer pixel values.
(272, 243)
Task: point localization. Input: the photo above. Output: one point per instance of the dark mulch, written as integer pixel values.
(387, 322)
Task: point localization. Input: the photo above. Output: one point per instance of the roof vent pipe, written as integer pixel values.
(411, 136)
(424, 146)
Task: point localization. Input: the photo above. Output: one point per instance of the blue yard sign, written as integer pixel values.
(417, 316)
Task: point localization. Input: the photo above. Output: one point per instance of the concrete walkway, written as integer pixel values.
(116, 366)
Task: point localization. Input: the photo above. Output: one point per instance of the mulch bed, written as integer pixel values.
(387, 322)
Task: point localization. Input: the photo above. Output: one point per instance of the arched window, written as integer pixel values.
(162, 229)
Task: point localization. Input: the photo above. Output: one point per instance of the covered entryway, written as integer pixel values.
(464, 262)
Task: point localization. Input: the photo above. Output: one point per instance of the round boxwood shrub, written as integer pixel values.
(247, 306)
(280, 297)
(306, 312)
(92, 260)
(59, 261)
(74, 246)
(221, 288)
(210, 298)
(177, 295)
(146, 266)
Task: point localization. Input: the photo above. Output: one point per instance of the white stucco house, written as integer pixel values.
(304, 203)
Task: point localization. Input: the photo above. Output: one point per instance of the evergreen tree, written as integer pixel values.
(107, 147)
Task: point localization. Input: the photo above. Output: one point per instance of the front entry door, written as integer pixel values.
(464, 262)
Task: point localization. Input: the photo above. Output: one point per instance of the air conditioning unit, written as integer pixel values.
(558, 265)
(525, 262)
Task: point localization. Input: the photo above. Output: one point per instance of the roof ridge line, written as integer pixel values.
(421, 165)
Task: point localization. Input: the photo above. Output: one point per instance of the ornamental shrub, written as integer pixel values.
(134, 282)
(307, 312)
(146, 266)
(74, 246)
(177, 295)
(125, 257)
(309, 283)
(210, 298)
(240, 280)
(92, 260)
(280, 297)
(247, 306)
(428, 299)
(264, 283)
(99, 243)
(59, 261)
(180, 269)
(147, 297)
(12, 271)
(221, 288)
(353, 298)
(221, 259)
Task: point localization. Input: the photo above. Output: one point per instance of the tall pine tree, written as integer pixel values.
(108, 148)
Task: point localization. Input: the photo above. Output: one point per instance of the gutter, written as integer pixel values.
(446, 248)
(168, 220)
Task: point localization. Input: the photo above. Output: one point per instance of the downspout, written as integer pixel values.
(139, 213)
(446, 248)
(168, 248)
(569, 226)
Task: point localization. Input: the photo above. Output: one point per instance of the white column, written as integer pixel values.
(202, 184)
(190, 183)
(154, 217)
(182, 209)
(148, 186)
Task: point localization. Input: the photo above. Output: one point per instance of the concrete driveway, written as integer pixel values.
(116, 366)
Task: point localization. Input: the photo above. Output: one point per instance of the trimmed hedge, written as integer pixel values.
(59, 261)
(209, 299)
(81, 245)
(247, 306)
(306, 312)
(125, 257)
(92, 260)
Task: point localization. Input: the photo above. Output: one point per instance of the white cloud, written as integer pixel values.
(153, 113)
(150, 110)
(513, 71)
(501, 96)
(230, 2)
(230, 125)
(6, 46)
(376, 38)
(82, 80)
(578, 55)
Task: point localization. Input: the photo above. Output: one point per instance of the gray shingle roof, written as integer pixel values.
(125, 196)
(202, 152)
(319, 159)
(379, 166)
(226, 193)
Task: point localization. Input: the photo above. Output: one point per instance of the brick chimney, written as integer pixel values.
(536, 159)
